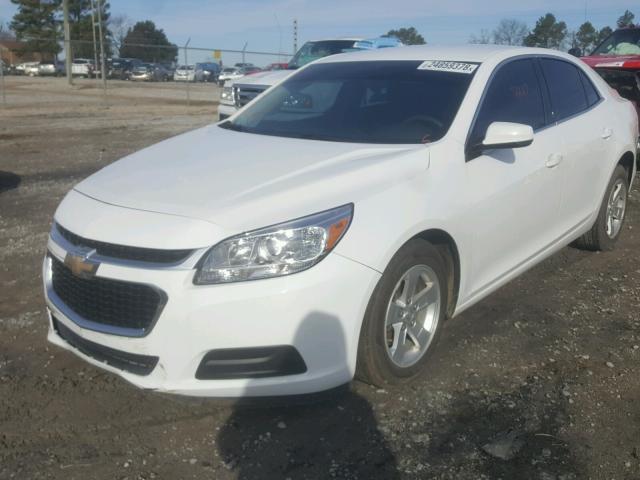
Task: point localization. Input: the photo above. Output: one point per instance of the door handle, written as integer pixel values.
(606, 133)
(553, 160)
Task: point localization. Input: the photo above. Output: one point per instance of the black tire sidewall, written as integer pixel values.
(379, 368)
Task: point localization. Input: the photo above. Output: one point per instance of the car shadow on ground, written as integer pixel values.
(333, 435)
(8, 181)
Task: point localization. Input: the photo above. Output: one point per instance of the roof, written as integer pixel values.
(461, 53)
(11, 44)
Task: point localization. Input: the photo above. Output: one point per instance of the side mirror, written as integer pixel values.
(507, 135)
(575, 51)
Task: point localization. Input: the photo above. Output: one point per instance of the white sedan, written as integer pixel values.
(329, 228)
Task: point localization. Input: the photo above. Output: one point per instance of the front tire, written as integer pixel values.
(404, 316)
(606, 230)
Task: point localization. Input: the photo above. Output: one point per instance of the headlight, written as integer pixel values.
(275, 251)
(227, 95)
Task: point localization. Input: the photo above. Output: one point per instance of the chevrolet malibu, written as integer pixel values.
(342, 218)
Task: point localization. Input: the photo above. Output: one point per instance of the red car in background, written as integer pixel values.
(275, 66)
(617, 60)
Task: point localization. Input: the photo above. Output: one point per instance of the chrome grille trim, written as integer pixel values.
(58, 242)
(243, 94)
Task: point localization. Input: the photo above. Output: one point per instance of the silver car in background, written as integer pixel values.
(54, 69)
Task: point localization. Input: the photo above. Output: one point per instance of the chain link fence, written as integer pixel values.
(190, 73)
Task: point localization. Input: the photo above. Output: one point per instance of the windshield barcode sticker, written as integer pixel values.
(445, 66)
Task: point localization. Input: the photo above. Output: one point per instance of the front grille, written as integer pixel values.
(129, 362)
(107, 301)
(125, 252)
(243, 94)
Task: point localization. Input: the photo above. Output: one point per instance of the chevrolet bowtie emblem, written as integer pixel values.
(81, 265)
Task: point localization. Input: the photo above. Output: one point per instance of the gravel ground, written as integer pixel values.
(539, 381)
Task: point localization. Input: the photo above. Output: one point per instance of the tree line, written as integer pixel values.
(37, 25)
(549, 32)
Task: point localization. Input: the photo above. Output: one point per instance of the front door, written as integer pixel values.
(513, 194)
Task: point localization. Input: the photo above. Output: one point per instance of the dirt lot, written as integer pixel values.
(549, 365)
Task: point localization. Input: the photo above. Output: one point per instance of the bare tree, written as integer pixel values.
(483, 38)
(119, 26)
(5, 31)
(510, 32)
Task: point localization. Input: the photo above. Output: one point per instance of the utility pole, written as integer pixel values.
(295, 35)
(4, 95)
(95, 46)
(67, 42)
(186, 63)
(103, 71)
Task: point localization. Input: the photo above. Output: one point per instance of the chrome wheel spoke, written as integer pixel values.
(395, 314)
(616, 193)
(409, 288)
(397, 329)
(417, 335)
(425, 297)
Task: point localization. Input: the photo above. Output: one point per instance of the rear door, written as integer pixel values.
(512, 194)
(576, 109)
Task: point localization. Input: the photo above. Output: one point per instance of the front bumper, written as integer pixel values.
(318, 312)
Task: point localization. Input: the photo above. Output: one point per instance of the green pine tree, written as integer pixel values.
(586, 37)
(81, 29)
(626, 19)
(140, 40)
(408, 36)
(602, 34)
(37, 26)
(548, 33)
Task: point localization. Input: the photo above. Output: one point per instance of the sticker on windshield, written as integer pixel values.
(445, 66)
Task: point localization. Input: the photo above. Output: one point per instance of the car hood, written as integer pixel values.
(263, 78)
(242, 181)
(613, 61)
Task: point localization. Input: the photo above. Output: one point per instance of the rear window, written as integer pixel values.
(360, 102)
(565, 88)
(593, 96)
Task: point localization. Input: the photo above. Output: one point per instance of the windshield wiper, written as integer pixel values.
(232, 126)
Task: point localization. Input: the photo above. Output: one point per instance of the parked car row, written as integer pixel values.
(32, 69)
(137, 70)
(123, 69)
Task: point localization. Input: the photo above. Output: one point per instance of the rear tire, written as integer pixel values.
(400, 315)
(607, 228)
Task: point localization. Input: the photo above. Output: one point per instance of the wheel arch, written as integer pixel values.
(448, 248)
(627, 160)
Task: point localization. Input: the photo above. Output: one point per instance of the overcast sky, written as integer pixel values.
(228, 24)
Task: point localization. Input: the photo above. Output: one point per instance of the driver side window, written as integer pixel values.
(512, 96)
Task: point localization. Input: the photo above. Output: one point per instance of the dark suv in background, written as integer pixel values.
(210, 71)
(121, 68)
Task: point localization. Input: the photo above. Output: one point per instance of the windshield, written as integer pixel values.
(621, 42)
(311, 51)
(359, 102)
